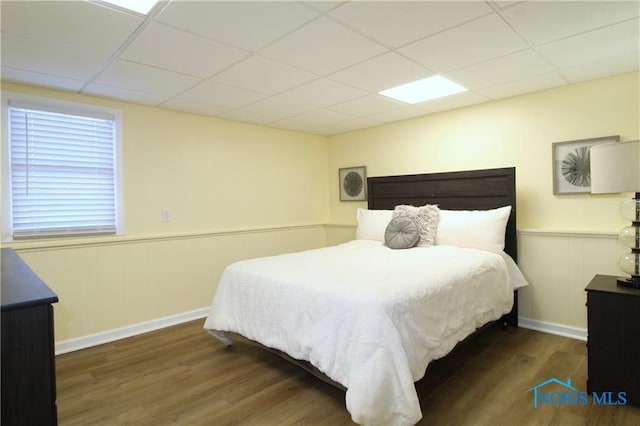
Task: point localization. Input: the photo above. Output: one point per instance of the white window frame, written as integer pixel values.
(66, 107)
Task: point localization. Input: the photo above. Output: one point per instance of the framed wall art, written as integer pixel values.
(571, 164)
(353, 183)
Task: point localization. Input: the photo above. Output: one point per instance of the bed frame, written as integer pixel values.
(468, 190)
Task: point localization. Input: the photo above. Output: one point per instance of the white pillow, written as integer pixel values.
(481, 229)
(372, 224)
(426, 217)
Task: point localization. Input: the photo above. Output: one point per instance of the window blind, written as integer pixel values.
(63, 173)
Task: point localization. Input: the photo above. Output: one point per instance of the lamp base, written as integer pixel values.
(633, 282)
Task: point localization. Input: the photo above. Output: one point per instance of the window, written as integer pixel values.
(63, 170)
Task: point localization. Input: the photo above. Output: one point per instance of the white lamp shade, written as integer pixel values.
(615, 168)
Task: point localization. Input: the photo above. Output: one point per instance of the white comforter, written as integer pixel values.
(369, 317)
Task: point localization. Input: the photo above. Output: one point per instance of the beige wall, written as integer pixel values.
(218, 174)
(568, 238)
(238, 191)
(514, 132)
(106, 286)
(234, 190)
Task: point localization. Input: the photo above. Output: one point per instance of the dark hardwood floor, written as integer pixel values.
(183, 376)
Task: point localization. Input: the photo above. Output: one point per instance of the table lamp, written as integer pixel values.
(615, 168)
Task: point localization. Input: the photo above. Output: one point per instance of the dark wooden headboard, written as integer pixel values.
(467, 190)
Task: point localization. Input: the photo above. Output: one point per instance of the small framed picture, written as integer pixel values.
(353, 183)
(571, 164)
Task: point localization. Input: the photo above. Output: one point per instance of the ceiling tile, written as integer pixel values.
(143, 78)
(194, 107)
(221, 95)
(614, 40)
(544, 21)
(247, 117)
(83, 25)
(453, 102)
(503, 4)
(48, 58)
(525, 85)
(40, 79)
(324, 5)
(319, 121)
(381, 73)
(356, 124)
(264, 75)
(323, 92)
(482, 39)
(368, 105)
(175, 50)
(128, 95)
(501, 70)
(271, 109)
(249, 25)
(610, 66)
(322, 47)
(403, 113)
(396, 23)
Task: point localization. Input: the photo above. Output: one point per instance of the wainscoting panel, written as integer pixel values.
(118, 284)
(558, 266)
(117, 288)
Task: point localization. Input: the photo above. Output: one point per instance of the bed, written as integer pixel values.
(368, 318)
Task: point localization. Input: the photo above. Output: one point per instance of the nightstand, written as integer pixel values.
(613, 338)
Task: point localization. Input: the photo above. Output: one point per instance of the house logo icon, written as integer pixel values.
(572, 396)
(536, 388)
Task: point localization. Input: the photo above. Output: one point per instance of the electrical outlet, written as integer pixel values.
(166, 215)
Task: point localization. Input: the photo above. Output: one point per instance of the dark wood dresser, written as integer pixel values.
(614, 338)
(28, 351)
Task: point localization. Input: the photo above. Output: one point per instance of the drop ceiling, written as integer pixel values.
(314, 66)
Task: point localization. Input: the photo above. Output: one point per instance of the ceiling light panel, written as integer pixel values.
(139, 6)
(424, 90)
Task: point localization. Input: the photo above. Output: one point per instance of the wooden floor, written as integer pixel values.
(183, 376)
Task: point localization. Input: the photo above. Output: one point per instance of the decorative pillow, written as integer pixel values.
(372, 224)
(401, 233)
(481, 229)
(426, 218)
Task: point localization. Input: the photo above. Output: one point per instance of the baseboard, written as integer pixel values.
(553, 328)
(145, 327)
(128, 331)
